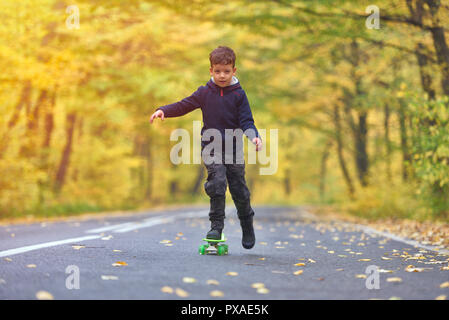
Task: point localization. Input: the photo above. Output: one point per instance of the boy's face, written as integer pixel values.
(222, 74)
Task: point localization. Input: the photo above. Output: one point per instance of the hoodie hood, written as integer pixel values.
(232, 86)
(233, 81)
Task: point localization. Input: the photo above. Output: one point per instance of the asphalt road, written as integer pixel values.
(154, 255)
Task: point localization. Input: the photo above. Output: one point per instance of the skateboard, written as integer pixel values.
(213, 246)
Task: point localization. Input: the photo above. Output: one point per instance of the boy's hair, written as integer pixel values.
(222, 55)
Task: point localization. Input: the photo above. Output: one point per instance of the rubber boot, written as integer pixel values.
(216, 217)
(248, 236)
(216, 230)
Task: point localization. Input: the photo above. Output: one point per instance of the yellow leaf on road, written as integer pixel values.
(394, 279)
(188, 280)
(44, 295)
(216, 293)
(263, 290)
(411, 268)
(181, 293)
(119, 264)
(232, 273)
(444, 284)
(167, 289)
(297, 273)
(257, 285)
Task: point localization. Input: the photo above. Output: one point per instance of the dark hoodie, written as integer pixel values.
(222, 108)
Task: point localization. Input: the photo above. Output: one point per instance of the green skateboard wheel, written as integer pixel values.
(221, 250)
(202, 249)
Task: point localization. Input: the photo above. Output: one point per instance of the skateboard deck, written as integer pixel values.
(214, 246)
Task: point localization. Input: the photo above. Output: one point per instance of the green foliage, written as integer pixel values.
(431, 152)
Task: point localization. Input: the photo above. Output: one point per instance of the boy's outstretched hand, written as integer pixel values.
(157, 114)
(258, 142)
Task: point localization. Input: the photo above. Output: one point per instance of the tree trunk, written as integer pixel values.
(323, 170)
(359, 128)
(387, 141)
(65, 159)
(439, 43)
(49, 121)
(425, 71)
(287, 183)
(23, 100)
(341, 160)
(406, 158)
(28, 149)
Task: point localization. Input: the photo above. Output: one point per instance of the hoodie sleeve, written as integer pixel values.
(246, 119)
(184, 106)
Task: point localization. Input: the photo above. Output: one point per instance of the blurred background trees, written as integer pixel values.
(362, 113)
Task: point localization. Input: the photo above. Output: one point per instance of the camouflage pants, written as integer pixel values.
(219, 176)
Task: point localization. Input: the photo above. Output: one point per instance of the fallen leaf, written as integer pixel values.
(107, 238)
(119, 264)
(44, 295)
(364, 260)
(411, 268)
(257, 285)
(311, 261)
(297, 273)
(165, 241)
(31, 265)
(360, 276)
(167, 289)
(263, 290)
(106, 277)
(384, 271)
(441, 297)
(300, 264)
(444, 284)
(8, 259)
(213, 282)
(181, 293)
(188, 280)
(216, 293)
(394, 279)
(386, 258)
(232, 273)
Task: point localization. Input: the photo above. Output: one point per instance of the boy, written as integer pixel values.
(224, 105)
